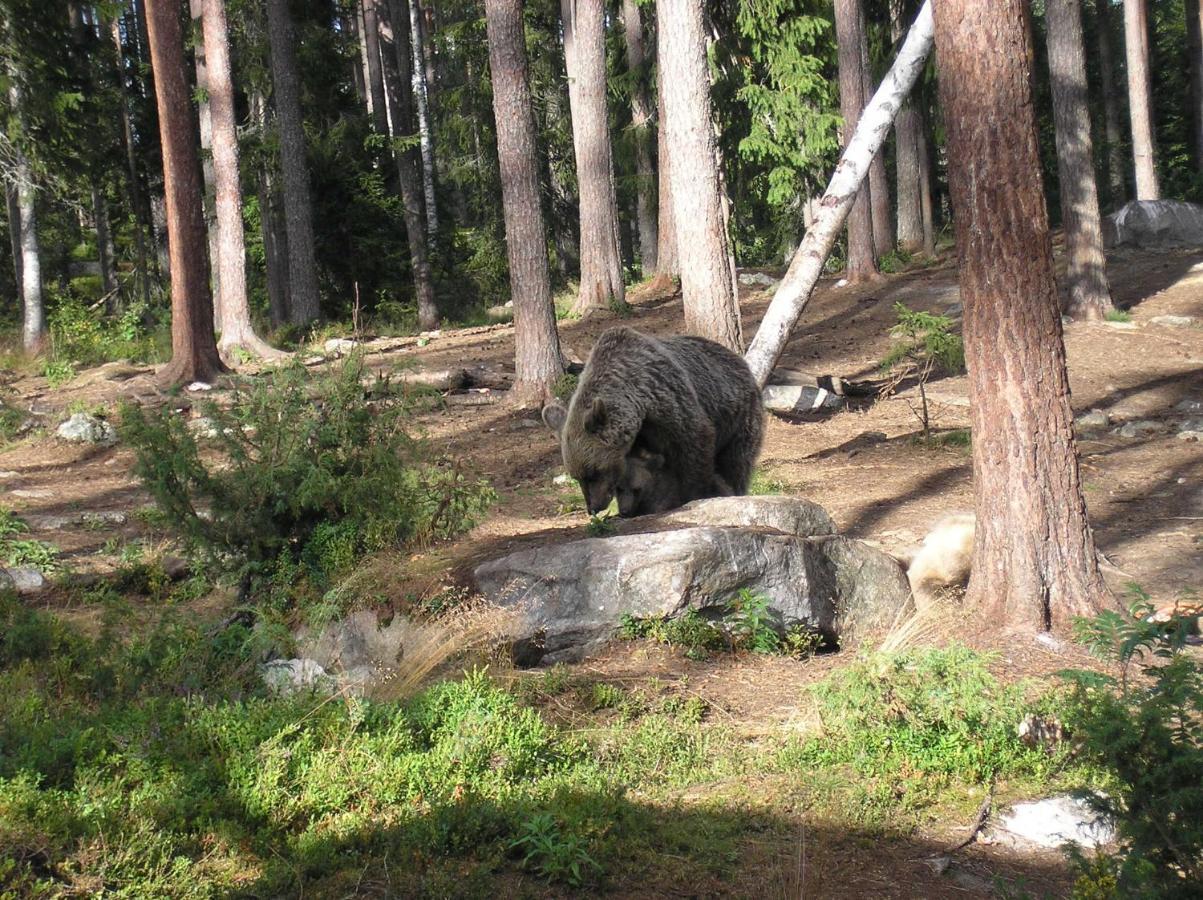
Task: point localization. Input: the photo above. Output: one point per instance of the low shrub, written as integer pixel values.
(309, 475)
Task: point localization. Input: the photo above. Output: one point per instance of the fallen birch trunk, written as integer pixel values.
(795, 289)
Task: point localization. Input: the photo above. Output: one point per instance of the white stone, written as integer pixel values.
(1141, 428)
(1173, 321)
(82, 428)
(1095, 418)
(339, 346)
(23, 579)
(1055, 821)
(293, 676)
(198, 386)
(1190, 435)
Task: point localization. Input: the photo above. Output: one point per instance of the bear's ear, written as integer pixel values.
(554, 416)
(654, 461)
(596, 418)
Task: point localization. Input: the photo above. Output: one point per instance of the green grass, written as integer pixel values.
(1118, 315)
(766, 483)
(155, 765)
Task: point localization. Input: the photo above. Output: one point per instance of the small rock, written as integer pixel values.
(7, 474)
(1055, 821)
(1173, 321)
(198, 386)
(339, 346)
(939, 864)
(954, 310)
(1140, 428)
(1095, 418)
(1039, 732)
(33, 494)
(82, 428)
(1192, 424)
(529, 423)
(1190, 435)
(842, 282)
(760, 278)
(1189, 406)
(294, 676)
(175, 567)
(23, 579)
(563, 479)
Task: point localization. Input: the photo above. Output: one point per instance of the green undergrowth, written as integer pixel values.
(155, 764)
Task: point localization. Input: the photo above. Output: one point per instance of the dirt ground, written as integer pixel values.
(863, 463)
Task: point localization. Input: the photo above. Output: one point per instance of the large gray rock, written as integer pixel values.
(788, 515)
(355, 642)
(82, 428)
(22, 580)
(1155, 223)
(569, 598)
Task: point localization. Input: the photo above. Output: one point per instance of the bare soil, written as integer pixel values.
(864, 464)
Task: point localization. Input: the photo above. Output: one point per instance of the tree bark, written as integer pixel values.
(275, 238)
(925, 186)
(104, 243)
(234, 315)
(1034, 563)
(375, 75)
(538, 362)
(1111, 120)
(358, 76)
(641, 115)
(584, 54)
(303, 305)
(363, 77)
(193, 344)
(421, 90)
(794, 291)
(668, 262)
(13, 209)
(199, 54)
(131, 162)
(33, 329)
(408, 164)
(1140, 104)
(707, 270)
(906, 163)
(849, 29)
(1088, 294)
(879, 185)
(1194, 42)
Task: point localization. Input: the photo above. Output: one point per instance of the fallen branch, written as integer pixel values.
(795, 289)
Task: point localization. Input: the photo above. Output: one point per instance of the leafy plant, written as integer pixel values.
(697, 635)
(752, 625)
(599, 526)
(311, 474)
(553, 854)
(1145, 727)
(38, 554)
(926, 344)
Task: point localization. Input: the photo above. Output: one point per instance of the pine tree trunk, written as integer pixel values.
(1034, 561)
(707, 273)
(849, 29)
(906, 158)
(364, 77)
(275, 240)
(193, 344)
(375, 75)
(1111, 119)
(668, 262)
(794, 291)
(1089, 294)
(641, 115)
(584, 54)
(104, 243)
(234, 315)
(421, 91)
(925, 186)
(1140, 103)
(879, 185)
(33, 330)
(13, 209)
(538, 362)
(131, 162)
(396, 58)
(303, 305)
(199, 54)
(1194, 43)
(358, 75)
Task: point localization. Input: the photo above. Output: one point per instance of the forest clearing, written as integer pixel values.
(539, 449)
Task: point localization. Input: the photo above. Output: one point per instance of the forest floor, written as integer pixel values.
(866, 464)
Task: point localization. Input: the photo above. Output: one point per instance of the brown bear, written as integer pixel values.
(681, 417)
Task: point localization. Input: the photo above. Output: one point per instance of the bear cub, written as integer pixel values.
(658, 422)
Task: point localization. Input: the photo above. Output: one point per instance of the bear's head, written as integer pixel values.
(646, 487)
(590, 453)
